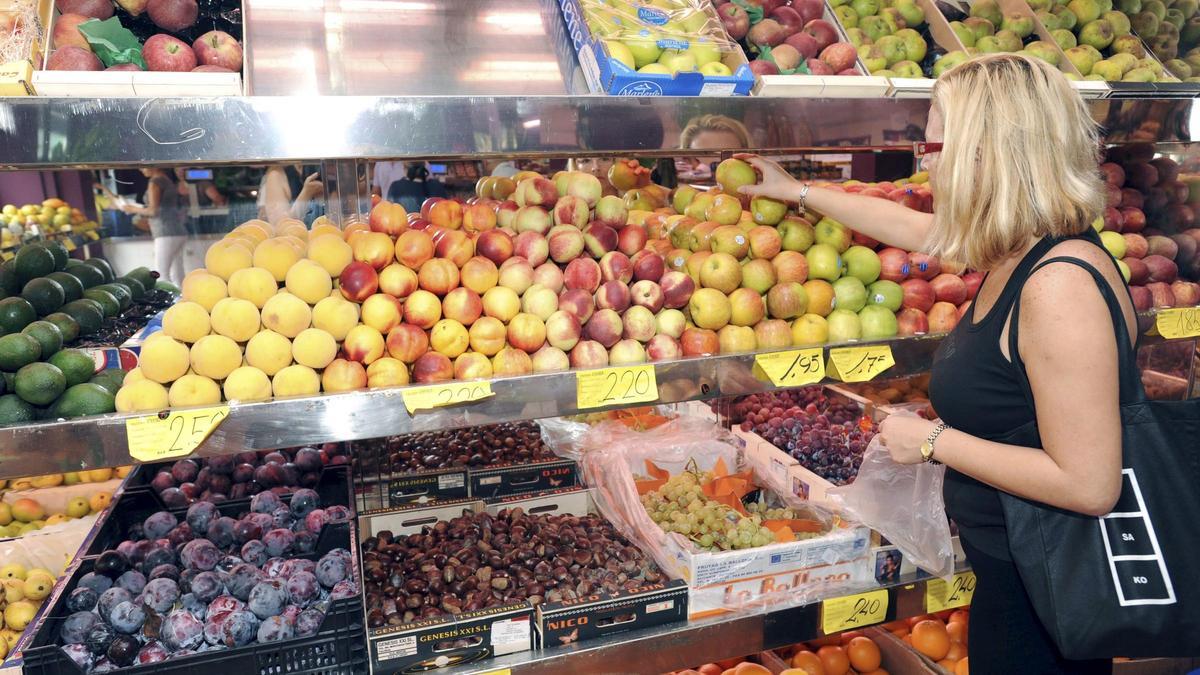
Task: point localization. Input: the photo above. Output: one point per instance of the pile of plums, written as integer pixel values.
(479, 560)
(508, 443)
(247, 473)
(209, 582)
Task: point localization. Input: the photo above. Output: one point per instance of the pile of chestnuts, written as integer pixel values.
(489, 445)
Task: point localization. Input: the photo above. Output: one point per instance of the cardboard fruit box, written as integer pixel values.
(83, 83)
(16, 76)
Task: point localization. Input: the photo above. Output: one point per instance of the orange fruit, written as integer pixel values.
(729, 664)
(834, 659)
(827, 640)
(961, 667)
(907, 639)
(894, 626)
(957, 651)
(808, 661)
(900, 633)
(957, 631)
(710, 669)
(881, 671)
(849, 635)
(914, 620)
(863, 654)
(962, 615)
(931, 639)
(748, 668)
(794, 671)
(727, 671)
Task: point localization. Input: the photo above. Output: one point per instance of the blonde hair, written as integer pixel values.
(1019, 160)
(717, 123)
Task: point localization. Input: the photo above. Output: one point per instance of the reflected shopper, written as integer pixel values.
(168, 223)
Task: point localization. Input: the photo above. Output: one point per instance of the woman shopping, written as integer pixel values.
(1012, 156)
(168, 223)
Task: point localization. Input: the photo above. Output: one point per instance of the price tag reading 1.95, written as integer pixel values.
(853, 611)
(1175, 324)
(941, 595)
(859, 364)
(794, 367)
(438, 395)
(615, 386)
(152, 438)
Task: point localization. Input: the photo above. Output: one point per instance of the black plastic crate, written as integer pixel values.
(338, 648)
(139, 502)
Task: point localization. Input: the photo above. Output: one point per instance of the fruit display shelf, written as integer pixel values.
(675, 646)
(168, 131)
(102, 441)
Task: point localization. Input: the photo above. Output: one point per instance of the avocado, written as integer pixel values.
(109, 378)
(120, 292)
(45, 294)
(40, 383)
(33, 262)
(88, 314)
(88, 276)
(8, 278)
(102, 265)
(72, 288)
(48, 336)
(135, 287)
(108, 302)
(15, 314)
(76, 366)
(145, 276)
(82, 400)
(59, 251)
(14, 411)
(18, 350)
(164, 285)
(66, 325)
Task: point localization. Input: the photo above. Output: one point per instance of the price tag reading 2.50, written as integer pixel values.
(152, 438)
(615, 386)
(438, 395)
(794, 367)
(853, 611)
(859, 364)
(958, 592)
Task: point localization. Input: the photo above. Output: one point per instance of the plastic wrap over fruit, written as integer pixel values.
(662, 36)
(565, 435)
(903, 502)
(634, 473)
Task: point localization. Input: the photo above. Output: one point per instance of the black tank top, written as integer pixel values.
(974, 388)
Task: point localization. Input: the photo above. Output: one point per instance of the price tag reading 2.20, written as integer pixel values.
(941, 595)
(853, 611)
(794, 367)
(152, 438)
(615, 386)
(438, 395)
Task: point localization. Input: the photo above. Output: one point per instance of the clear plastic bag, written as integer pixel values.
(903, 502)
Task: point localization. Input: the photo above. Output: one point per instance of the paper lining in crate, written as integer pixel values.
(789, 571)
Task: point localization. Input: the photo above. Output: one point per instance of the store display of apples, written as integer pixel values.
(790, 37)
(639, 36)
(989, 29)
(1149, 226)
(177, 35)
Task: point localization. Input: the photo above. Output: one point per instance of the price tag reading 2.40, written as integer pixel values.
(438, 395)
(859, 364)
(794, 367)
(615, 386)
(152, 438)
(941, 595)
(853, 611)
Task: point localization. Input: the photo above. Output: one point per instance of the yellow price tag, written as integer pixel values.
(859, 364)
(502, 671)
(69, 243)
(940, 595)
(853, 611)
(438, 395)
(794, 367)
(1183, 322)
(152, 438)
(615, 386)
(7, 255)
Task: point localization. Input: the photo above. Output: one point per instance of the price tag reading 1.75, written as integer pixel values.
(794, 367)
(853, 611)
(152, 438)
(1175, 324)
(859, 364)
(438, 395)
(941, 595)
(615, 386)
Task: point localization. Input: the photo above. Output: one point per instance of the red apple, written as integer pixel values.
(1161, 294)
(1143, 301)
(647, 265)
(218, 48)
(1135, 246)
(824, 33)
(921, 266)
(949, 288)
(911, 321)
(1139, 273)
(1132, 218)
(1113, 174)
(973, 281)
(918, 294)
(699, 342)
(1162, 269)
(893, 264)
(1187, 293)
(943, 317)
(164, 53)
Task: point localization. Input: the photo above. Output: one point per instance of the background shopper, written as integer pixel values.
(289, 192)
(168, 223)
(1016, 182)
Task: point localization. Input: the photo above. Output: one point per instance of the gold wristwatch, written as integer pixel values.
(927, 446)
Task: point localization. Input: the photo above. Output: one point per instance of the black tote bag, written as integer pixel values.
(1126, 584)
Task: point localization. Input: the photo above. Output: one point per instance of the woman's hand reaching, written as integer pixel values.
(775, 184)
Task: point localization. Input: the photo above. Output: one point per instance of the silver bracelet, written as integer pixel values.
(804, 197)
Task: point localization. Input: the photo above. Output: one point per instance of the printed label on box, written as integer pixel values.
(454, 480)
(511, 635)
(397, 648)
(490, 480)
(660, 606)
(718, 89)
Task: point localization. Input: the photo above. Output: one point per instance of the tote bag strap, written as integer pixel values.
(1130, 382)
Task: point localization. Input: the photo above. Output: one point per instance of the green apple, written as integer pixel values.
(676, 60)
(1020, 24)
(965, 35)
(716, 68)
(1113, 241)
(1082, 59)
(1064, 38)
(911, 11)
(989, 45)
(1119, 22)
(767, 211)
(891, 48)
(1109, 70)
(684, 194)
(704, 51)
(875, 27)
(1040, 5)
(1179, 68)
(619, 52)
(1066, 18)
(1009, 40)
(987, 9)
(980, 26)
(847, 16)
(857, 37)
(861, 263)
(886, 293)
(844, 326)
(1129, 44)
(948, 61)
(832, 233)
(824, 262)
(1085, 11)
(654, 69)
(849, 293)
(1049, 19)
(1155, 7)
(908, 69)
(865, 8)
(644, 49)
(1144, 23)
(1127, 62)
(1154, 66)
(797, 233)
(877, 322)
